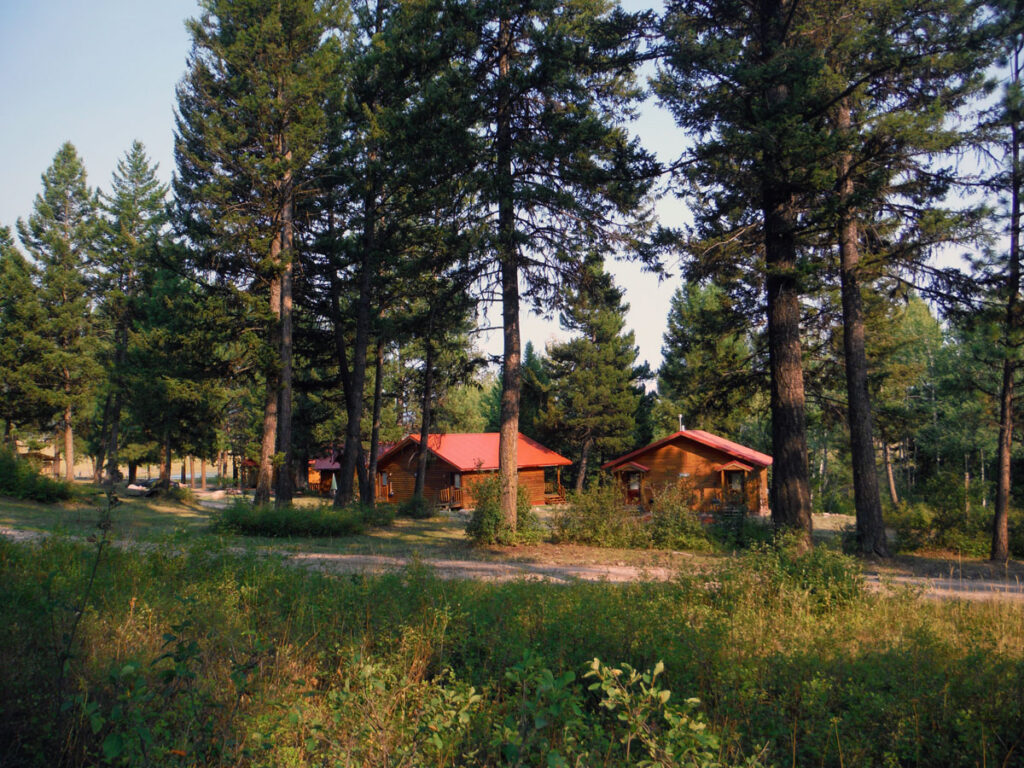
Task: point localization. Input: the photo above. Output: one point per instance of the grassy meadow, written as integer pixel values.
(198, 651)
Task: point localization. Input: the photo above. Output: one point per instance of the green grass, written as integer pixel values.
(195, 655)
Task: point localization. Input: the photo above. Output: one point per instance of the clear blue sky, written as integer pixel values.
(102, 73)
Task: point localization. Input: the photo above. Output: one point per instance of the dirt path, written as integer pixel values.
(929, 587)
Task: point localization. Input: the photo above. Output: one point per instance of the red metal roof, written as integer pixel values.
(732, 465)
(728, 447)
(324, 465)
(472, 451)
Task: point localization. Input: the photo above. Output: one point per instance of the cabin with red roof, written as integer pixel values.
(720, 472)
(456, 463)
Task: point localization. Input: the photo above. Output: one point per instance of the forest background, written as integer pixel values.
(908, 159)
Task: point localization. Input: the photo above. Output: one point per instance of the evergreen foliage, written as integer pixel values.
(592, 395)
(61, 237)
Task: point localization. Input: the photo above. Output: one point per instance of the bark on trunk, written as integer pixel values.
(133, 472)
(378, 394)
(588, 443)
(421, 451)
(271, 400)
(69, 447)
(1000, 551)
(867, 501)
(790, 493)
(101, 450)
(354, 395)
(511, 380)
(890, 475)
(285, 490)
(165, 466)
(202, 474)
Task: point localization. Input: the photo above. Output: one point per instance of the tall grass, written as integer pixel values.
(198, 656)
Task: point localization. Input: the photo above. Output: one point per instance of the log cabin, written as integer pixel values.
(719, 472)
(456, 463)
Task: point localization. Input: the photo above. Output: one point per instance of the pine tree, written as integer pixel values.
(557, 175)
(21, 401)
(60, 236)
(130, 238)
(707, 362)
(250, 120)
(592, 395)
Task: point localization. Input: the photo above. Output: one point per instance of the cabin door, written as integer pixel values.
(634, 482)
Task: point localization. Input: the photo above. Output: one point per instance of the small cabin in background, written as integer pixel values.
(456, 463)
(720, 472)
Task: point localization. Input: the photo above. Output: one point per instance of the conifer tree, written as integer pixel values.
(134, 221)
(557, 175)
(60, 236)
(707, 366)
(21, 401)
(592, 395)
(250, 120)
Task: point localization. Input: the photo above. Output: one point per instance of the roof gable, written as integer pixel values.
(478, 451)
(727, 447)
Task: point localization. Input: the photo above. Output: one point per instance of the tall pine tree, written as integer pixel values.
(592, 395)
(60, 236)
(250, 120)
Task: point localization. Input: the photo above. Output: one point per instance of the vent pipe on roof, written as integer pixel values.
(681, 427)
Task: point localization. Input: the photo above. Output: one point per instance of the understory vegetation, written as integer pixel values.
(192, 655)
(19, 479)
(324, 520)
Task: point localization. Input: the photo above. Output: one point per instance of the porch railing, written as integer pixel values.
(451, 497)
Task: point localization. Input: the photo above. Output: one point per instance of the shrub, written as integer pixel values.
(418, 508)
(921, 525)
(598, 516)
(241, 517)
(487, 526)
(675, 524)
(20, 479)
(828, 577)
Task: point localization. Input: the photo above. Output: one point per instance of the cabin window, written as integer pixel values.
(736, 481)
(456, 480)
(634, 481)
(384, 479)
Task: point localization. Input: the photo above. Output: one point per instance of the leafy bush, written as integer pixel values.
(487, 526)
(675, 524)
(20, 479)
(599, 517)
(242, 517)
(924, 526)
(418, 508)
(827, 577)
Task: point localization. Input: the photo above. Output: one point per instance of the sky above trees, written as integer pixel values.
(102, 74)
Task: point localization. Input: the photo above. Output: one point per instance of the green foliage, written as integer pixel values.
(243, 659)
(675, 522)
(922, 525)
(20, 479)
(486, 525)
(598, 516)
(825, 577)
(269, 520)
(418, 508)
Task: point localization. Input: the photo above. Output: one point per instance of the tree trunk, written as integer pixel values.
(421, 452)
(285, 490)
(271, 400)
(101, 450)
(588, 443)
(133, 472)
(165, 467)
(870, 527)
(511, 378)
(69, 447)
(790, 493)
(202, 474)
(113, 435)
(890, 475)
(354, 395)
(378, 394)
(1000, 551)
